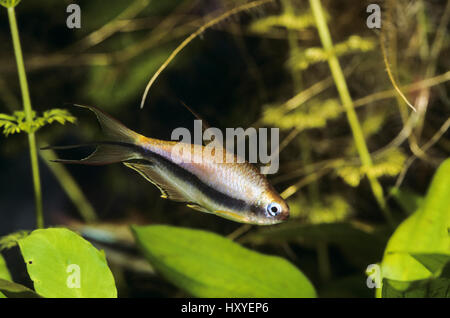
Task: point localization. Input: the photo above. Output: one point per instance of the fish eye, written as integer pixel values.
(274, 209)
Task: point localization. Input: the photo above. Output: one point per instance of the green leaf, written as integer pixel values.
(435, 288)
(4, 272)
(205, 264)
(424, 232)
(350, 239)
(63, 264)
(14, 290)
(435, 263)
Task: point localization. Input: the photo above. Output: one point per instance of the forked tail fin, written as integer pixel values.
(122, 145)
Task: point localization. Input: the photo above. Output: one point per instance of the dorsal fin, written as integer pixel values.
(205, 124)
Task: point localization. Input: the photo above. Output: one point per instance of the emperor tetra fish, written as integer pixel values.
(236, 191)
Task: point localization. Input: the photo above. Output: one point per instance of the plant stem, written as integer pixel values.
(347, 102)
(67, 182)
(70, 186)
(29, 116)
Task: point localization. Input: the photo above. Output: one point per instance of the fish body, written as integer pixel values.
(236, 191)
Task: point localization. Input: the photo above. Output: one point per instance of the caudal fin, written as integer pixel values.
(113, 128)
(120, 147)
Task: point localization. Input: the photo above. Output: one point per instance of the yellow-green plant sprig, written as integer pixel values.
(347, 102)
(29, 116)
(17, 122)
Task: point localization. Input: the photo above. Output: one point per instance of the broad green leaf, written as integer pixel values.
(63, 264)
(353, 241)
(446, 271)
(205, 264)
(4, 273)
(434, 288)
(424, 232)
(14, 290)
(433, 262)
(439, 288)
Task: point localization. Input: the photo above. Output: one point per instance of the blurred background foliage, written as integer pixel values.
(264, 67)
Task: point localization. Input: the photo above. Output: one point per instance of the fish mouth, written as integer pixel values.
(284, 216)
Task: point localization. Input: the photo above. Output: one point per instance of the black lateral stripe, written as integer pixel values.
(207, 190)
(215, 195)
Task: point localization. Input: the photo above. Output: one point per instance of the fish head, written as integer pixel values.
(271, 209)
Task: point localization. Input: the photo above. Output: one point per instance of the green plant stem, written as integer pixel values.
(29, 117)
(67, 182)
(347, 102)
(70, 186)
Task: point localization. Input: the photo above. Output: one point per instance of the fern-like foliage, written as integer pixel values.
(390, 164)
(286, 20)
(374, 122)
(330, 209)
(16, 123)
(314, 115)
(313, 55)
(9, 3)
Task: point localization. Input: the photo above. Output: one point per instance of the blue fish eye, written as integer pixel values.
(273, 209)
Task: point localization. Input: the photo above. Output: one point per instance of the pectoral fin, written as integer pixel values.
(153, 174)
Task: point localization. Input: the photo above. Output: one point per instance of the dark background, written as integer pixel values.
(228, 75)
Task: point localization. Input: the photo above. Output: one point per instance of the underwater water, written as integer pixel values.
(358, 205)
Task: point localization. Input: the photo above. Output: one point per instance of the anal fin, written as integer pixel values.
(198, 207)
(153, 174)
